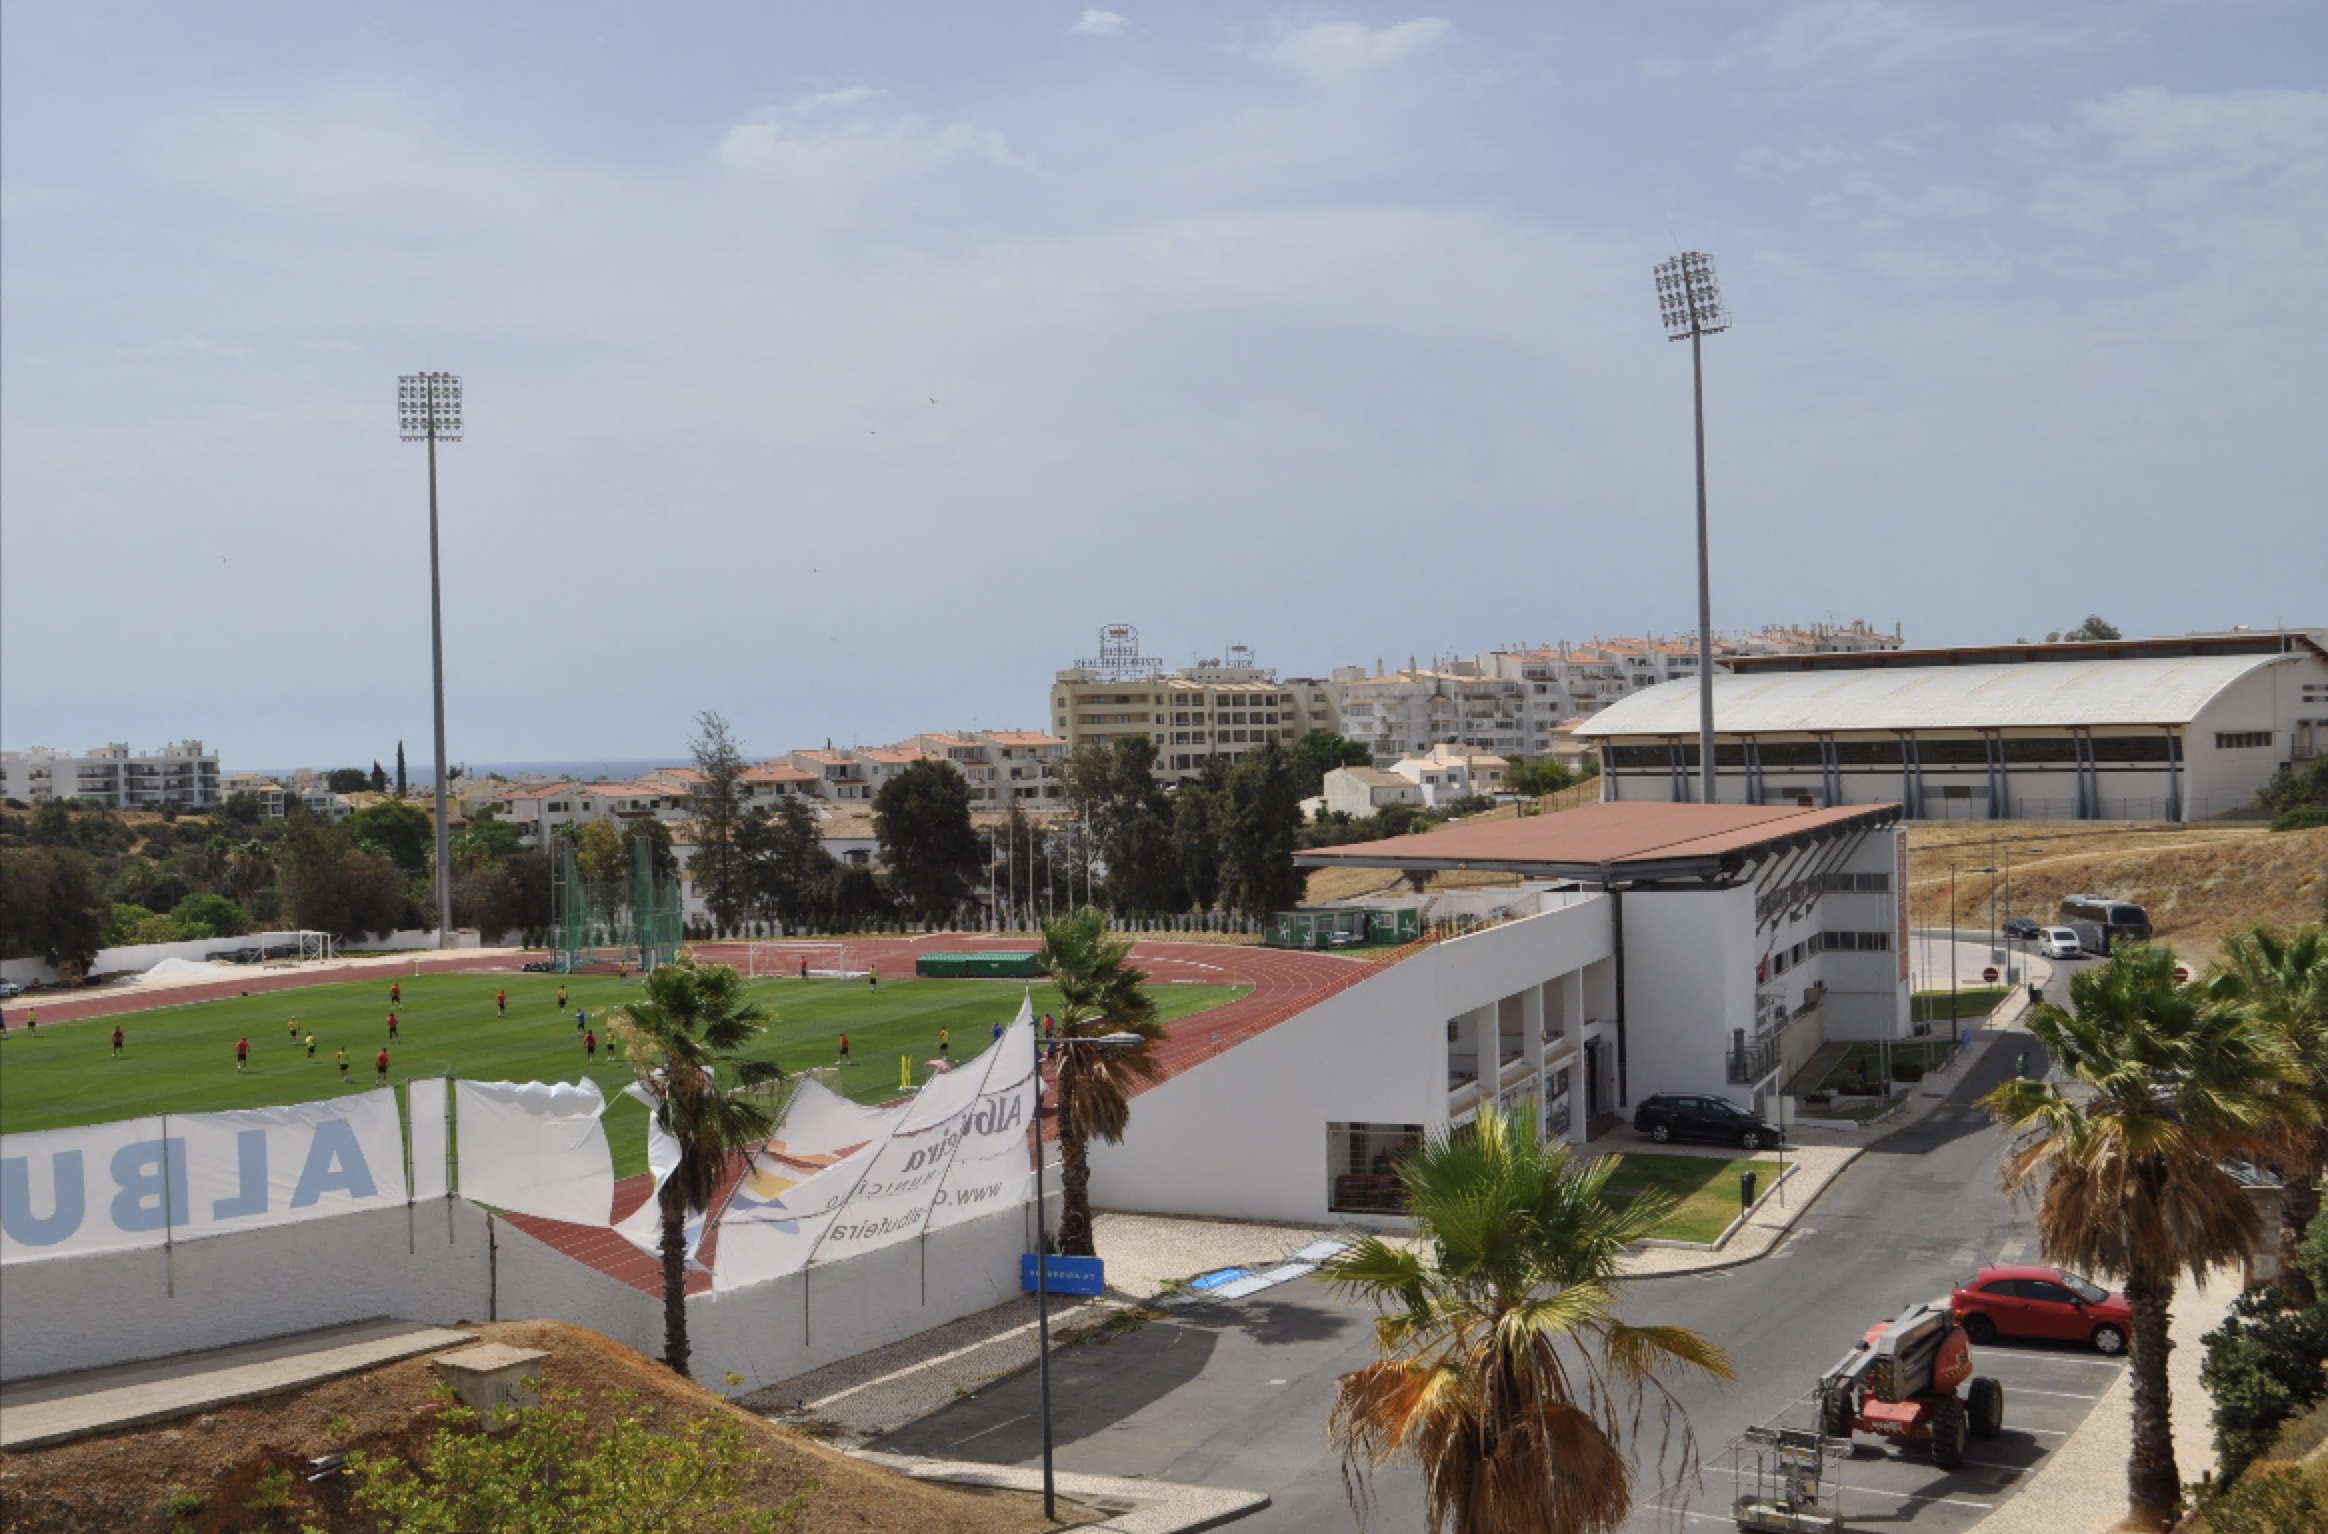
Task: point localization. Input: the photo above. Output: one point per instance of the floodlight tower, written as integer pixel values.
(1691, 302)
(428, 408)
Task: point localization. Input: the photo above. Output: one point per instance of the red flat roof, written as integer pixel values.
(1639, 839)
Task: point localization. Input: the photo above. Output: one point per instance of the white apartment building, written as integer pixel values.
(1447, 773)
(1456, 703)
(1003, 767)
(270, 793)
(182, 775)
(1222, 708)
(1362, 792)
(1513, 701)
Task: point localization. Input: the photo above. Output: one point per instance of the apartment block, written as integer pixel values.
(181, 775)
(1216, 707)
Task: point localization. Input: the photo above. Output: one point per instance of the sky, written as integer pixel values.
(843, 369)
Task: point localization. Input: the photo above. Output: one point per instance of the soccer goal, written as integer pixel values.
(776, 958)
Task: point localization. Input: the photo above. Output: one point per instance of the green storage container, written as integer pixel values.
(941, 966)
(1003, 966)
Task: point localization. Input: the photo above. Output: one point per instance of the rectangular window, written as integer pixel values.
(2060, 749)
(1362, 1166)
(2242, 740)
(2142, 748)
(1953, 753)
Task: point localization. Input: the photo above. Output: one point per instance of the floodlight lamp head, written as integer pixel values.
(1689, 300)
(429, 405)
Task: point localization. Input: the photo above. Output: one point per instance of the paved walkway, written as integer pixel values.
(63, 1407)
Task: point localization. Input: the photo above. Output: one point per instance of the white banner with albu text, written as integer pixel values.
(182, 1177)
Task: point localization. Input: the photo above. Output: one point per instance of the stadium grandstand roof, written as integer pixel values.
(1614, 843)
(2060, 694)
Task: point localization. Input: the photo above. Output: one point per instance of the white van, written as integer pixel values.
(2058, 943)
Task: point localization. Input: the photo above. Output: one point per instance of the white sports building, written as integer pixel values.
(2159, 729)
(1649, 948)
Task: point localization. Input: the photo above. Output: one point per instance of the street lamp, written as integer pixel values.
(1691, 303)
(1043, 1242)
(428, 408)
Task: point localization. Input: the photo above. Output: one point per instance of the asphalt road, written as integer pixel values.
(1237, 1394)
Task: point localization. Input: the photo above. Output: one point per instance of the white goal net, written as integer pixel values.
(798, 957)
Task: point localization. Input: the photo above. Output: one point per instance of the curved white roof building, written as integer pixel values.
(2054, 732)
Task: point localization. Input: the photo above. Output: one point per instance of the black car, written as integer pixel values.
(2021, 927)
(1679, 1116)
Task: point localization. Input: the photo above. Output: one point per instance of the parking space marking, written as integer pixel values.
(2066, 1395)
(2011, 1251)
(1883, 1491)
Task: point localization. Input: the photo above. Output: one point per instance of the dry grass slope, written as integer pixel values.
(2200, 882)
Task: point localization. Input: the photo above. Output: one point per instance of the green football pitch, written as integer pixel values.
(181, 1059)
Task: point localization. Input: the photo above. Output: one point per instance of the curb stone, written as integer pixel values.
(1132, 1506)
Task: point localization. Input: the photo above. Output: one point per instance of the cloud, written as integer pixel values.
(2241, 132)
(846, 96)
(1338, 52)
(1100, 24)
(860, 150)
(1843, 39)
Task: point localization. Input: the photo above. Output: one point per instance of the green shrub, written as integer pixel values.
(2264, 1363)
(1907, 1070)
(542, 1472)
(2302, 818)
(2275, 1499)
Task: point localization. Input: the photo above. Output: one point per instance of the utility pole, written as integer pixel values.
(1690, 301)
(428, 408)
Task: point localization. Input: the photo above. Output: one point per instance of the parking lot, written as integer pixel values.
(2048, 1391)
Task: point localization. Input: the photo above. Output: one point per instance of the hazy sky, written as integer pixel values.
(844, 368)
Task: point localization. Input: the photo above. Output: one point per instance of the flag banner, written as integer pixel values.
(991, 1168)
(143, 1182)
(901, 1186)
(773, 1223)
(818, 1192)
(425, 1103)
(534, 1147)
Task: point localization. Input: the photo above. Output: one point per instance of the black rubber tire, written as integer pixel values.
(1980, 1330)
(1750, 1142)
(1985, 1405)
(1661, 1133)
(1835, 1414)
(2109, 1340)
(1950, 1432)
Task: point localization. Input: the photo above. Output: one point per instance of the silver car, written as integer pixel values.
(2058, 943)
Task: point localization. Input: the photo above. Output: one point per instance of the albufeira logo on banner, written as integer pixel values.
(141, 1182)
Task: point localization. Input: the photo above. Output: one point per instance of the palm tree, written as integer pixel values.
(1100, 992)
(2282, 981)
(2169, 1082)
(680, 1040)
(1507, 1376)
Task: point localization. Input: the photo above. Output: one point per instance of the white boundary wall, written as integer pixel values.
(74, 1313)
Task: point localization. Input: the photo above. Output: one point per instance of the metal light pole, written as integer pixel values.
(1043, 1253)
(428, 408)
(1691, 303)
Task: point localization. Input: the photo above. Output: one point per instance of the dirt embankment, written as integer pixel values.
(2199, 883)
(202, 1474)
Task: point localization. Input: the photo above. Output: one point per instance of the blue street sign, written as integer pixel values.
(1063, 1275)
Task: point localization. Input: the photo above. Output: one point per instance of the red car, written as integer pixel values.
(2045, 1304)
